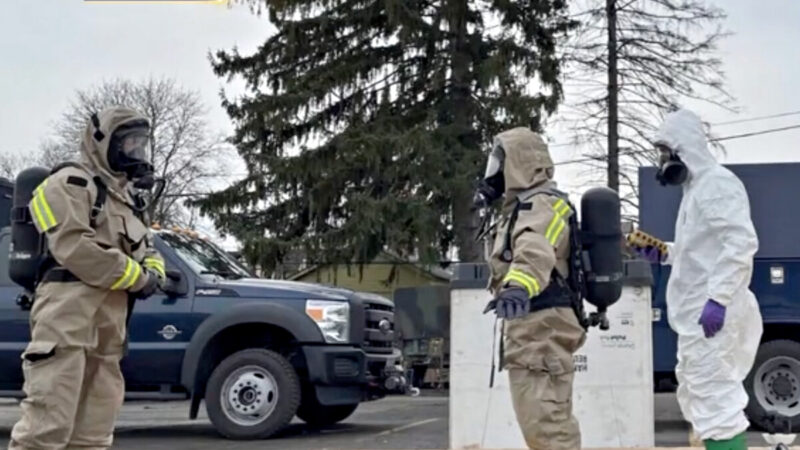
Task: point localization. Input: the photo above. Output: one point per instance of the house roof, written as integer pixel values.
(434, 270)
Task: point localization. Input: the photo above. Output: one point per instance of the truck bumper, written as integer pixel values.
(347, 375)
(335, 365)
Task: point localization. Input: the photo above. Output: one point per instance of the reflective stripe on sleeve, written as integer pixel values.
(137, 272)
(155, 264)
(129, 278)
(42, 212)
(557, 224)
(527, 281)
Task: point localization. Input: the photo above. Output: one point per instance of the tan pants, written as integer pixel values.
(73, 383)
(538, 356)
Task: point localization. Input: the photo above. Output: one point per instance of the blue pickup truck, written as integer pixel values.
(257, 351)
(774, 381)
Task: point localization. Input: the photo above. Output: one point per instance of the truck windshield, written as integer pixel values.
(204, 257)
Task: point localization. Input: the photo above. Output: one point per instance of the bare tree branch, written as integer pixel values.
(666, 54)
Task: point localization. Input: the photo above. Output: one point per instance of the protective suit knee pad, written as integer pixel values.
(738, 442)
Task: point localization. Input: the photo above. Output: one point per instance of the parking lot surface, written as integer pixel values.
(391, 423)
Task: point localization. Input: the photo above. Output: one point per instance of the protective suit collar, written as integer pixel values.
(683, 132)
(94, 146)
(527, 162)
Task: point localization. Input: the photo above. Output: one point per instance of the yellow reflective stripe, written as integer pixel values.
(155, 264)
(37, 213)
(563, 210)
(552, 227)
(523, 282)
(557, 233)
(137, 271)
(528, 282)
(125, 276)
(48, 212)
(557, 224)
(41, 209)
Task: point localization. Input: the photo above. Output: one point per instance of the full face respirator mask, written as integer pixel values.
(128, 153)
(492, 186)
(672, 170)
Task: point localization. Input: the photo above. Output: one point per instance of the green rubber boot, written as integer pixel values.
(738, 442)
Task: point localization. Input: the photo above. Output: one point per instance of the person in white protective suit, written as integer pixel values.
(709, 303)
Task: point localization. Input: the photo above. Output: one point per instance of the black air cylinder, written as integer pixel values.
(602, 246)
(27, 245)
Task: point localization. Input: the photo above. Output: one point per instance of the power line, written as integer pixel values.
(719, 139)
(730, 122)
(756, 133)
(757, 118)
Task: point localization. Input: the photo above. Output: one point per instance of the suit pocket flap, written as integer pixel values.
(39, 350)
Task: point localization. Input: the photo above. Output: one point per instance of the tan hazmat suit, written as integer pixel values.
(73, 383)
(538, 347)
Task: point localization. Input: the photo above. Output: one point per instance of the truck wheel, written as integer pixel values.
(773, 384)
(317, 415)
(252, 394)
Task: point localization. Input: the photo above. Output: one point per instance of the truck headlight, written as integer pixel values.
(332, 318)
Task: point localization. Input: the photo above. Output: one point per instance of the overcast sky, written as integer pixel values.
(50, 48)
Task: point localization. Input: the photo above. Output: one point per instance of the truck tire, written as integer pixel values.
(317, 415)
(252, 394)
(774, 383)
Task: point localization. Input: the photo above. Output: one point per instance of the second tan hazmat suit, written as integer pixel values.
(539, 346)
(73, 382)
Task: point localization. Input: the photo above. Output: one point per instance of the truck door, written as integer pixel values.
(160, 330)
(14, 328)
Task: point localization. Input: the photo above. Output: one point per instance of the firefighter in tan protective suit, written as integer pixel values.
(529, 268)
(100, 253)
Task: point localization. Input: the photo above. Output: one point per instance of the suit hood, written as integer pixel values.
(94, 145)
(527, 162)
(683, 132)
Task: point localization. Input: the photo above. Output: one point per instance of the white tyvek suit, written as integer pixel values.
(712, 257)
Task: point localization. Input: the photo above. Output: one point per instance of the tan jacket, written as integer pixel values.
(113, 255)
(540, 238)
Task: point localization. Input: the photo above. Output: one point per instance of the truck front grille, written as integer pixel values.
(379, 330)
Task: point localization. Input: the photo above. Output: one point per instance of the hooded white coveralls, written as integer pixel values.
(712, 258)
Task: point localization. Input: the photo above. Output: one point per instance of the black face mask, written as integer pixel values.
(673, 171)
(489, 190)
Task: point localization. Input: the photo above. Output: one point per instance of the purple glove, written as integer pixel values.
(712, 318)
(650, 254)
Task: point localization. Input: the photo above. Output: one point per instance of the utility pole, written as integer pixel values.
(613, 117)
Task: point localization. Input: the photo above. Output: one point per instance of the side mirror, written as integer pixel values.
(175, 285)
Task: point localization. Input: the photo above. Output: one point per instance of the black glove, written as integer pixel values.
(512, 303)
(150, 287)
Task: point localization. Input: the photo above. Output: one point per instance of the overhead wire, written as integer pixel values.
(719, 139)
(757, 118)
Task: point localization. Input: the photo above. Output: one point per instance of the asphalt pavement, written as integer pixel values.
(391, 423)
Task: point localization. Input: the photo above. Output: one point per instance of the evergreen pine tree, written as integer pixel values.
(366, 122)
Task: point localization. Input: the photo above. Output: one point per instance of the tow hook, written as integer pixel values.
(397, 381)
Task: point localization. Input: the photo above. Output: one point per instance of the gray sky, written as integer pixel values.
(50, 48)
